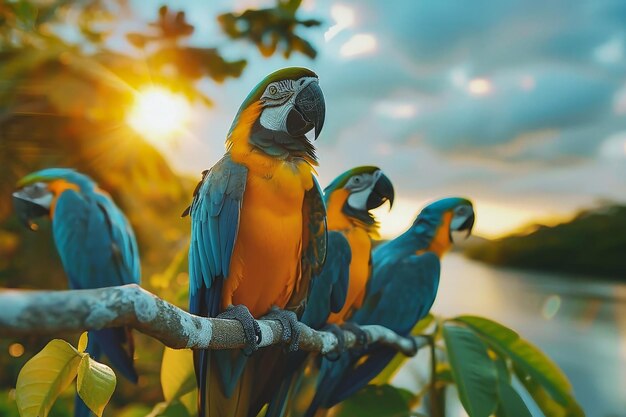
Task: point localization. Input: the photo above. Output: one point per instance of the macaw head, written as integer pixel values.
(278, 114)
(37, 192)
(454, 213)
(367, 188)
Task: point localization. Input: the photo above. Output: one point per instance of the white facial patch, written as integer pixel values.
(458, 220)
(358, 200)
(275, 118)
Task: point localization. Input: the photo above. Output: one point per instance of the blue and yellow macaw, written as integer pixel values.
(401, 291)
(96, 244)
(340, 285)
(258, 233)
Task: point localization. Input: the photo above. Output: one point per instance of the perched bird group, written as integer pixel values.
(266, 243)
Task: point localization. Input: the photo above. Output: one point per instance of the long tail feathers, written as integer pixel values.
(360, 376)
(218, 396)
(279, 403)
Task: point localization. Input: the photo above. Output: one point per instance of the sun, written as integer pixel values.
(158, 113)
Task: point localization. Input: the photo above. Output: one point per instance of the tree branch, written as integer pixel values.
(46, 312)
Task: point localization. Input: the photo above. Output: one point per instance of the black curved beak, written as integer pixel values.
(309, 111)
(382, 192)
(467, 225)
(27, 208)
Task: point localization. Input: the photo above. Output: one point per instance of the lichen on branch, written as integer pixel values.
(48, 312)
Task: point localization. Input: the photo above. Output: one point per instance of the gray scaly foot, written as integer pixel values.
(251, 329)
(289, 322)
(361, 337)
(341, 342)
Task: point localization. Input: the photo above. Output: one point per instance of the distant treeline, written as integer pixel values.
(593, 243)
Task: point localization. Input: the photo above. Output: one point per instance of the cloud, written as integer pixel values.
(557, 98)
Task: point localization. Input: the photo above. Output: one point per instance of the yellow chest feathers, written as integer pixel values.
(441, 241)
(281, 180)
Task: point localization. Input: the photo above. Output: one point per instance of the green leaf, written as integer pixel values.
(44, 377)
(396, 363)
(82, 342)
(157, 410)
(133, 410)
(190, 401)
(474, 372)
(176, 409)
(544, 401)
(510, 403)
(377, 401)
(95, 385)
(524, 354)
(177, 373)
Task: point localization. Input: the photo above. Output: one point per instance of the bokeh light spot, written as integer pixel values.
(16, 350)
(479, 86)
(551, 306)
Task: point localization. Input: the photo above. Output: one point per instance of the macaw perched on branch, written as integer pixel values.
(340, 286)
(258, 233)
(401, 291)
(96, 244)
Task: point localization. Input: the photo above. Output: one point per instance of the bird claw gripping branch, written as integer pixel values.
(362, 339)
(251, 328)
(336, 353)
(289, 322)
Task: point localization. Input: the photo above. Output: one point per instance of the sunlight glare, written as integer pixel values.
(358, 45)
(159, 113)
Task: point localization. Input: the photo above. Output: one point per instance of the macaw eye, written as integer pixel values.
(272, 90)
(357, 179)
(461, 210)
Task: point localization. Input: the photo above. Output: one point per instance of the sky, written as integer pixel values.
(519, 105)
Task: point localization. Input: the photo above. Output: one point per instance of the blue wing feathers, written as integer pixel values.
(229, 221)
(314, 209)
(328, 288)
(339, 246)
(363, 374)
(403, 292)
(214, 213)
(215, 221)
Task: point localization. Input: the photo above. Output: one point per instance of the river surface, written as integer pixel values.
(580, 323)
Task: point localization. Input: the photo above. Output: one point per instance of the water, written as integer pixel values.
(580, 324)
